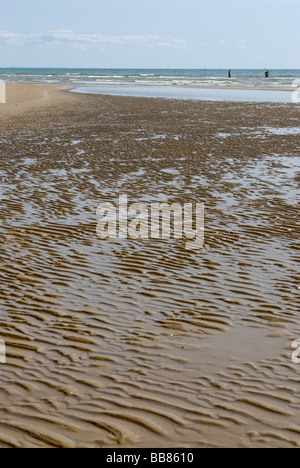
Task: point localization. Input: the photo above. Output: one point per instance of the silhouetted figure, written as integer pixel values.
(229, 74)
(267, 74)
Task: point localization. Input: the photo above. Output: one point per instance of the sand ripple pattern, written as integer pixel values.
(127, 343)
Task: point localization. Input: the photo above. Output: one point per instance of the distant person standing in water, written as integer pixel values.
(229, 74)
(267, 74)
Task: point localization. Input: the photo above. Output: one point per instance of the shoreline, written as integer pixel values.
(222, 87)
(25, 97)
(191, 94)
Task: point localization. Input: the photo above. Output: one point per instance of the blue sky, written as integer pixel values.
(150, 33)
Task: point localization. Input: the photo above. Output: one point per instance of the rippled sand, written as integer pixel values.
(143, 343)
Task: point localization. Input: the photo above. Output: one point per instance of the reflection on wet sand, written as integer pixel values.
(143, 343)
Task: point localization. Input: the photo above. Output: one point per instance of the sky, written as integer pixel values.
(150, 33)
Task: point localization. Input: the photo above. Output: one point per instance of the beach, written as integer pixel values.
(142, 343)
(21, 98)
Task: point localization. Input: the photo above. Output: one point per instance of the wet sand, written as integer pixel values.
(143, 343)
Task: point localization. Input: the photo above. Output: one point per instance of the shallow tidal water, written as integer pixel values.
(143, 343)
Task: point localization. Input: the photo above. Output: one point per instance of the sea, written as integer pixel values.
(168, 83)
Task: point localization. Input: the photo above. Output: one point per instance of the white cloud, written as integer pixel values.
(66, 36)
(238, 43)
